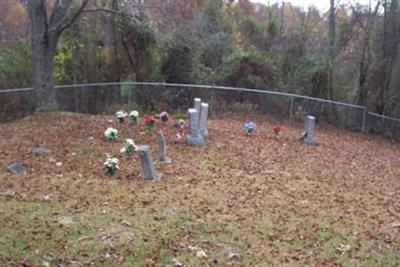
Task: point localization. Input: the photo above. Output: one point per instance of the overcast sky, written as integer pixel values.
(322, 5)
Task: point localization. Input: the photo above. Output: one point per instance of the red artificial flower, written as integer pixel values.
(277, 128)
(149, 120)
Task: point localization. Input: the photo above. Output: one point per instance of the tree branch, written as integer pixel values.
(102, 10)
(58, 13)
(68, 20)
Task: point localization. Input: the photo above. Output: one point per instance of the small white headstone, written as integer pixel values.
(309, 128)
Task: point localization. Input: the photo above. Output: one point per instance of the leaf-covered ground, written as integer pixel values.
(270, 199)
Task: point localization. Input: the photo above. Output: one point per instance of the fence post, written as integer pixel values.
(291, 109)
(129, 96)
(364, 118)
(211, 106)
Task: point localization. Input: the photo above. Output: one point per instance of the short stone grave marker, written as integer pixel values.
(194, 139)
(203, 130)
(16, 168)
(146, 160)
(309, 128)
(162, 147)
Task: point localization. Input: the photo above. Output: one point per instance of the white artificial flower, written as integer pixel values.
(121, 114)
(111, 165)
(111, 133)
(134, 113)
(129, 147)
(111, 161)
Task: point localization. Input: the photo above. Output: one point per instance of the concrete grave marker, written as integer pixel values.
(149, 173)
(194, 139)
(40, 151)
(309, 128)
(197, 106)
(16, 168)
(203, 130)
(162, 148)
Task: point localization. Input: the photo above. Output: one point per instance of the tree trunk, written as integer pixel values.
(43, 49)
(45, 32)
(389, 52)
(365, 60)
(332, 33)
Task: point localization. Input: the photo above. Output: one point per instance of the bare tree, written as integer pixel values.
(388, 50)
(365, 56)
(45, 33)
(332, 33)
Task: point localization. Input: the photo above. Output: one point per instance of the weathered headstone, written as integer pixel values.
(194, 139)
(309, 128)
(203, 130)
(162, 148)
(146, 161)
(16, 168)
(40, 151)
(197, 106)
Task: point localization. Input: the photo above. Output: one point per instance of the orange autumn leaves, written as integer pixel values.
(12, 14)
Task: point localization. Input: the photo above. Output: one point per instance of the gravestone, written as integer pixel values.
(162, 148)
(16, 168)
(149, 173)
(194, 139)
(197, 106)
(309, 128)
(203, 130)
(40, 151)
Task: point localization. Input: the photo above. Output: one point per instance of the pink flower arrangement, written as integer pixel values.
(164, 116)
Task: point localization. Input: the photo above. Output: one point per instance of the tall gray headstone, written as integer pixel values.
(194, 139)
(203, 129)
(309, 128)
(149, 173)
(197, 106)
(162, 148)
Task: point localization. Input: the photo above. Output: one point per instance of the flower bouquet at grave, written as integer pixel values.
(180, 124)
(134, 115)
(129, 148)
(121, 115)
(277, 128)
(180, 135)
(164, 116)
(149, 121)
(111, 134)
(250, 128)
(111, 165)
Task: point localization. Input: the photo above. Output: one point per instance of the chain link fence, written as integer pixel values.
(106, 98)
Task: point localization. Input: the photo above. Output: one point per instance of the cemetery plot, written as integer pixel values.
(240, 199)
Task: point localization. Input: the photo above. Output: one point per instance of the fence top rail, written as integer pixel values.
(5, 91)
(239, 89)
(383, 116)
